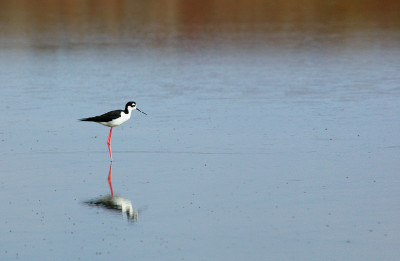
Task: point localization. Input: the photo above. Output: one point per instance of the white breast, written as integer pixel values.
(124, 117)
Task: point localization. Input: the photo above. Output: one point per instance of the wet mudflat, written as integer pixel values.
(267, 137)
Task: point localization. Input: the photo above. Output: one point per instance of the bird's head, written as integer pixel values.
(132, 106)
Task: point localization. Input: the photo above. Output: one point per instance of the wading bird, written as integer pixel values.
(113, 119)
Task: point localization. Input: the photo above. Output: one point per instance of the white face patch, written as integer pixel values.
(132, 107)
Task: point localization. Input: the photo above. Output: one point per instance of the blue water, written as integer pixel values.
(257, 145)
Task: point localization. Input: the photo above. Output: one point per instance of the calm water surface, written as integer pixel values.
(272, 130)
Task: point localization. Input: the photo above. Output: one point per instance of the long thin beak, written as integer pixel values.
(141, 111)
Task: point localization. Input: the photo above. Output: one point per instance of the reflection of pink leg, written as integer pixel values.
(109, 143)
(109, 180)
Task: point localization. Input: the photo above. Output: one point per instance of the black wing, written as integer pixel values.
(109, 116)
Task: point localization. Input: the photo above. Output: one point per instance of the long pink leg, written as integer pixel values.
(109, 180)
(109, 143)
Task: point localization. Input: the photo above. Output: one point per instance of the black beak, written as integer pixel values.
(141, 111)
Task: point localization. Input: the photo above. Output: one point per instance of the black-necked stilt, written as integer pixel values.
(113, 119)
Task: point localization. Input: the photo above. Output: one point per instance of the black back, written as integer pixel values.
(106, 117)
(111, 115)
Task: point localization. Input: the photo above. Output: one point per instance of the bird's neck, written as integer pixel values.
(127, 111)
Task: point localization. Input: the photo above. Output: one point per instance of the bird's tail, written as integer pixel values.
(86, 119)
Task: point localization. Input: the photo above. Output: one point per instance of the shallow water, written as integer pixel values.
(268, 137)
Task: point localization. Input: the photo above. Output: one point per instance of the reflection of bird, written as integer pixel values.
(117, 203)
(113, 119)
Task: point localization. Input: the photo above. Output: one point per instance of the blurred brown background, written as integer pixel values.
(78, 18)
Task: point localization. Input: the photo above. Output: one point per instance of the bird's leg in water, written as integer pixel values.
(109, 180)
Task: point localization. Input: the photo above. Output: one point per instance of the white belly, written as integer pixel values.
(124, 117)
